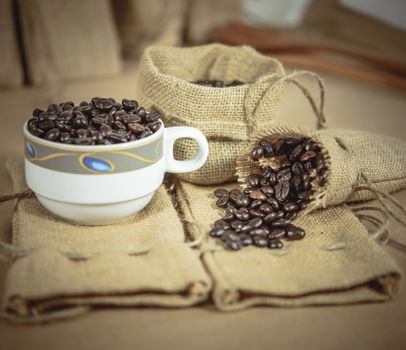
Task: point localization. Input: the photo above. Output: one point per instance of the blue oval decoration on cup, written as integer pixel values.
(30, 149)
(96, 164)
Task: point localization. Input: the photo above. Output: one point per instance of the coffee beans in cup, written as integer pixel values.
(101, 121)
(262, 213)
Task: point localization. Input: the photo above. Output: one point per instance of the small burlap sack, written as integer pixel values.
(227, 116)
(61, 269)
(361, 165)
(338, 262)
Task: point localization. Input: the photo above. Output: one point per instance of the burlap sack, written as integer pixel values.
(137, 20)
(60, 268)
(65, 40)
(338, 262)
(227, 116)
(11, 70)
(361, 165)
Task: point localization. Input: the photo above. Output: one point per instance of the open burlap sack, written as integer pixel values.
(60, 269)
(338, 262)
(227, 116)
(361, 165)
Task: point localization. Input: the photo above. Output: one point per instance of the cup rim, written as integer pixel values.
(93, 148)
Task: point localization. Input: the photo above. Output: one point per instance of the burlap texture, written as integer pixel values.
(357, 160)
(65, 40)
(227, 116)
(140, 261)
(336, 263)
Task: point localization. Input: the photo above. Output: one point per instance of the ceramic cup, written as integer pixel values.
(96, 185)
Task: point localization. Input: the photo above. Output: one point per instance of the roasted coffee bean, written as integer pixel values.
(266, 208)
(271, 217)
(237, 225)
(242, 215)
(220, 192)
(254, 213)
(136, 128)
(253, 180)
(152, 116)
(283, 175)
(221, 223)
(266, 172)
(272, 179)
(246, 239)
(83, 141)
(255, 223)
(282, 190)
(294, 233)
(281, 222)
(296, 182)
(278, 146)
(307, 155)
(231, 208)
(216, 232)
(257, 153)
(277, 233)
(242, 201)
(288, 207)
(222, 201)
(291, 215)
(52, 135)
(273, 202)
(117, 138)
(260, 241)
(46, 124)
(275, 244)
(267, 190)
(297, 168)
(154, 126)
(228, 217)
(81, 133)
(255, 203)
(260, 231)
(295, 153)
(257, 194)
(268, 150)
(247, 190)
(235, 194)
(145, 134)
(119, 125)
(64, 137)
(235, 245)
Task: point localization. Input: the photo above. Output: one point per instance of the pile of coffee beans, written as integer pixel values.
(102, 121)
(218, 83)
(262, 213)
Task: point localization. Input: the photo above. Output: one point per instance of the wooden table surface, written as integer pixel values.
(367, 326)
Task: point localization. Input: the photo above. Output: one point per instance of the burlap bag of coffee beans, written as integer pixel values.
(174, 82)
(357, 165)
(338, 262)
(61, 269)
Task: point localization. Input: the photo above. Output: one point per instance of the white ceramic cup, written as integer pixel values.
(96, 185)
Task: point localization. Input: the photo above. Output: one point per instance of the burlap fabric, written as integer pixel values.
(59, 268)
(337, 262)
(66, 40)
(361, 164)
(227, 116)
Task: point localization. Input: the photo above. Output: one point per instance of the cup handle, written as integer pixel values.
(184, 166)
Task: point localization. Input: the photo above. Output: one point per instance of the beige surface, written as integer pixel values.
(368, 326)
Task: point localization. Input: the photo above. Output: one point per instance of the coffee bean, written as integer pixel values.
(282, 190)
(83, 141)
(273, 202)
(235, 245)
(253, 180)
(260, 241)
(255, 203)
(237, 225)
(297, 168)
(257, 153)
(242, 214)
(275, 244)
(295, 153)
(288, 207)
(307, 155)
(46, 124)
(129, 105)
(283, 175)
(152, 116)
(255, 223)
(246, 239)
(221, 223)
(291, 215)
(277, 233)
(281, 222)
(266, 208)
(254, 213)
(257, 194)
(81, 133)
(216, 232)
(247, 190)
(64, 137)
(220, 192)
(242, 201)
(294, 233)
(145, 134)
(267, 190)
(261, 231)
(222, 201)
(52, 135)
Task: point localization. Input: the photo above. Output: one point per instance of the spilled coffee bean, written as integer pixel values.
(101, 121)
(262, 213)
